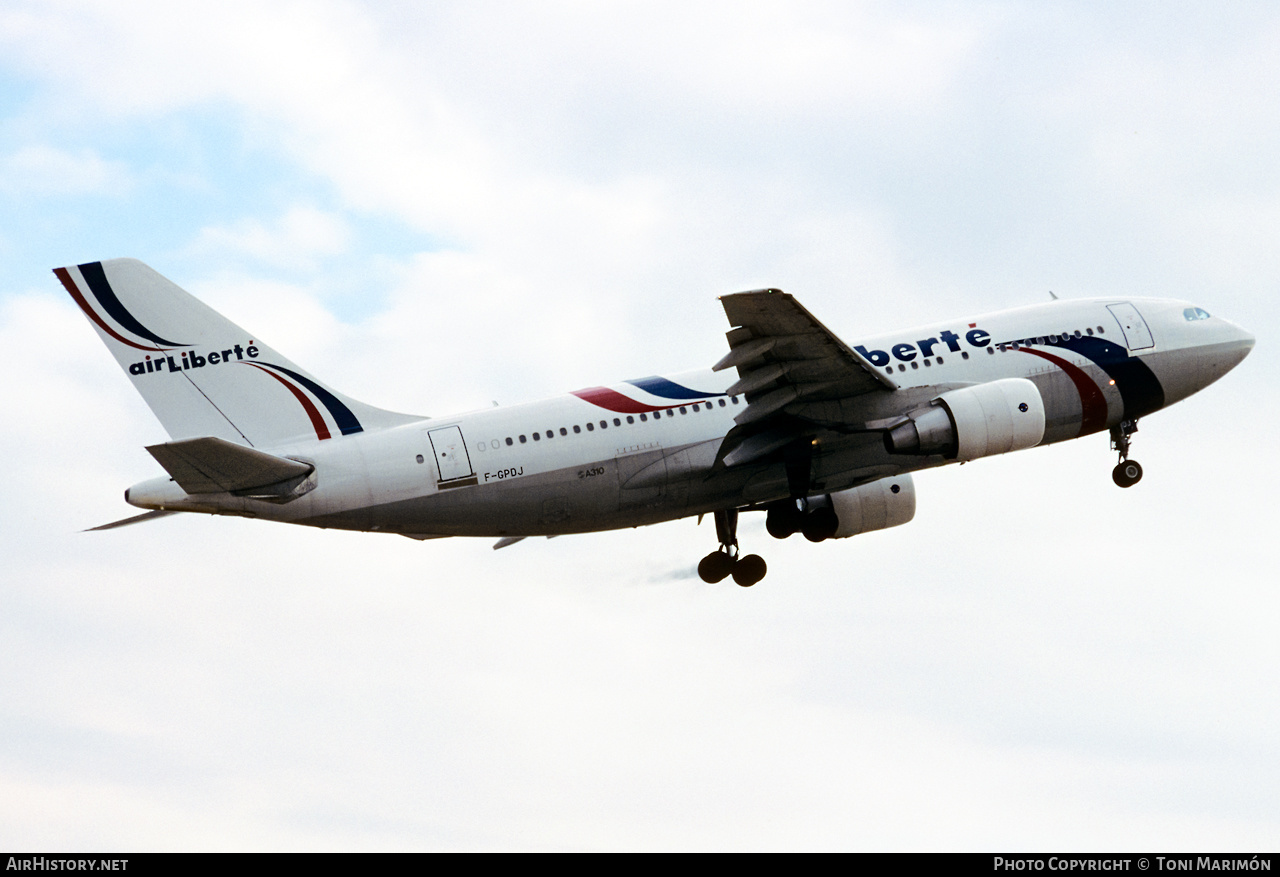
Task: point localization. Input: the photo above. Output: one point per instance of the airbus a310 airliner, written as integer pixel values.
(820, 435)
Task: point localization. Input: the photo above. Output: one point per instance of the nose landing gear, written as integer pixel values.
(1127, 472)
(724, 561)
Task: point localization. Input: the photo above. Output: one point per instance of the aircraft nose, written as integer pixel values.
(1243, 341)
(1247, 339)
(1238, 343)
(1215, 348)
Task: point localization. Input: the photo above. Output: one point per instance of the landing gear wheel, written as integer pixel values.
(749, 570)
(821, 524)
(715, 567)
(1127, 474)
(783, 520)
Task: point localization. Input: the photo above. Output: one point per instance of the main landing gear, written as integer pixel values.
(724, 561)
(812, 516)
(1127, 472)
(815, 518)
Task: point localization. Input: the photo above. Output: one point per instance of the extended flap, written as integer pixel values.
(214, 465)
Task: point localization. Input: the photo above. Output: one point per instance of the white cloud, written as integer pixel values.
(297, 239)
(47, 170)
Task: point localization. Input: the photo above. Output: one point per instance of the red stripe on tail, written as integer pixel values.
(92, 314)
(322, 430)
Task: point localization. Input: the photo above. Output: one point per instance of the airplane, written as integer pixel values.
(819, 435)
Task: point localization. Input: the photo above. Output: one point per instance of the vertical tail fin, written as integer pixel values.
(203, 375)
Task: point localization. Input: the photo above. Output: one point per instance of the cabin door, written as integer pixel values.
(1136, 333)
(452, 460)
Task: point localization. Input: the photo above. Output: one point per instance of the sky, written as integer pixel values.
(438, 206)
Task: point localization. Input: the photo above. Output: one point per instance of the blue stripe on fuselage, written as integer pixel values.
(659, 386)
(1139, 387)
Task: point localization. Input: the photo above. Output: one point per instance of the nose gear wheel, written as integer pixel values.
(1127, 474)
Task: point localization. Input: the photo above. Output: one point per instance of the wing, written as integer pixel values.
(790, 369)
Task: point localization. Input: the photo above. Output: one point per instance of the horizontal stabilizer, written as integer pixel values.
(136, 519)
(214, 465)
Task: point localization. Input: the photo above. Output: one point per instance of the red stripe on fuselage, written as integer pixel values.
(92, 314)
(322, 430)
(1093, 405)
(612, 400)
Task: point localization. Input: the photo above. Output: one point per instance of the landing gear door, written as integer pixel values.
(1136, 333)
(451, 455)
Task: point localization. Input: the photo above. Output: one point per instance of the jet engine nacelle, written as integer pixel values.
(889, 502)
(973, 422)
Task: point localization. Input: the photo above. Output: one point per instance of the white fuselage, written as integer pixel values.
(645, 451)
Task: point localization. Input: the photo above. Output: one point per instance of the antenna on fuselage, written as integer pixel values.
(1052, 296)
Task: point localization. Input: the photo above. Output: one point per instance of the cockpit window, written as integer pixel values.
(1193, 314)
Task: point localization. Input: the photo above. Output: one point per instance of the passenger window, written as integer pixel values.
(721, 403)
(537, 436)
(576, 429)
(604, 424)
(643, 418)
(564, 431)
(523, 440)
(509, 442)
(617, 422)
(630, 419)
(591, 427)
